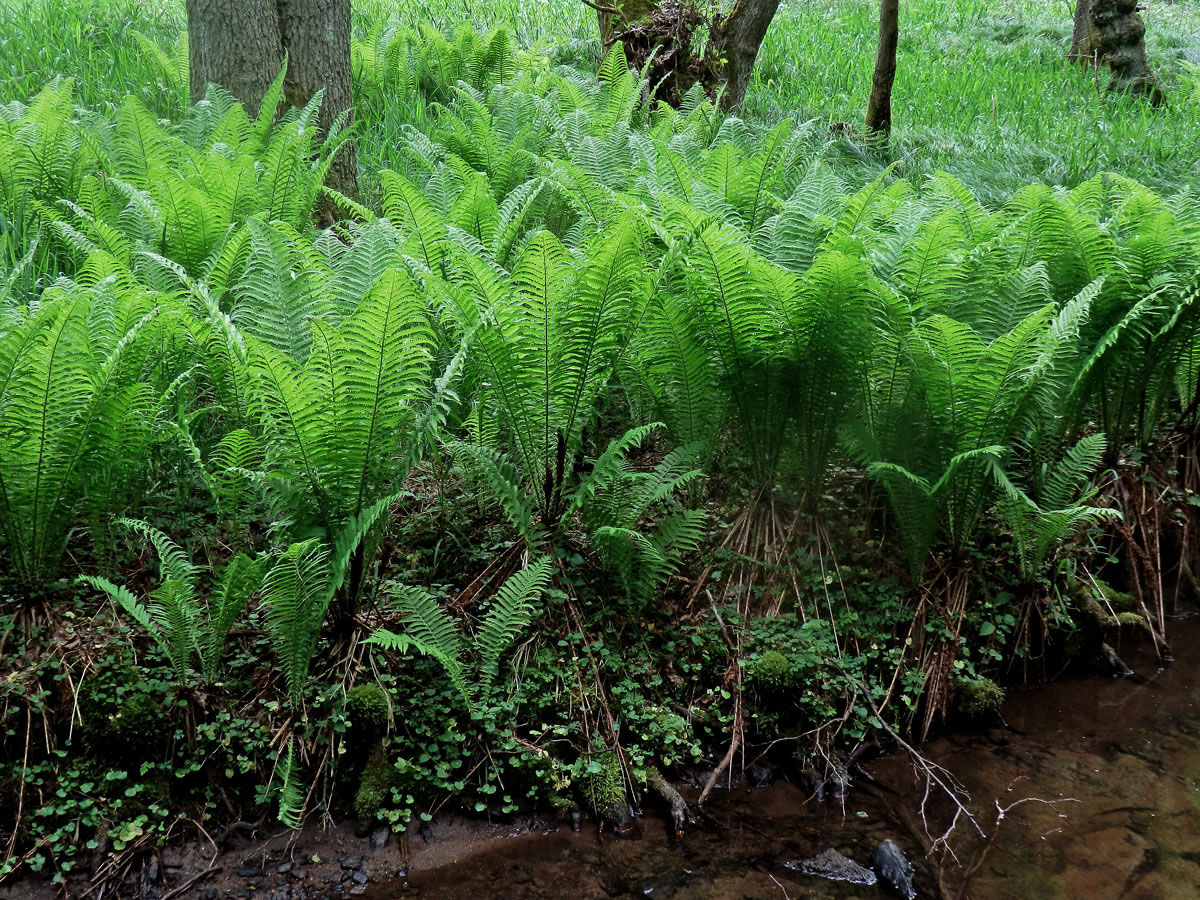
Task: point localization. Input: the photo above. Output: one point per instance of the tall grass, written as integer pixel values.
(982, 89)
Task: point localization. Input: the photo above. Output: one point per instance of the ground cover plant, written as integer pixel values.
(595, 439)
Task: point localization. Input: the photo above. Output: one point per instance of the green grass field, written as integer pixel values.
(982, 89)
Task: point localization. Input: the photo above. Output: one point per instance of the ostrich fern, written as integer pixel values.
(68, 394)
(340, 431)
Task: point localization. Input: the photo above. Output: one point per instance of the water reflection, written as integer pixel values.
(1110, 770)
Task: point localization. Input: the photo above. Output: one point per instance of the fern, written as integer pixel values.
(296, 596)
(291, 794)
(66, 394)
(430, 630)
(339, 429)
(1039, 528)
(184, 627)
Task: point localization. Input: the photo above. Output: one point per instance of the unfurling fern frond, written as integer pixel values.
(181, 624)
(429, 629)
(1039, 528)
(433, 632)
(291, 791)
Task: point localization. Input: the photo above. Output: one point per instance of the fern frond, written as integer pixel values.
(510, 613)
(296, 596)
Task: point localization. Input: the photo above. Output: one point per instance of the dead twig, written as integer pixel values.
(199, 876)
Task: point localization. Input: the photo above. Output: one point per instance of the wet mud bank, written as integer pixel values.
(1087, 788)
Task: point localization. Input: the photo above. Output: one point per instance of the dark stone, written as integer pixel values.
(889, 861)
(835, 867)
(761, 776)
(357, 889)
(380, 837)
(427, 833)
(283, 868)
(359, 877)
(247, 872)
(351, 861)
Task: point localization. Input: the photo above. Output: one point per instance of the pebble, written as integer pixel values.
(351, 861)
(380, 837)
(250, 873)
(283, 868)
(360, 877)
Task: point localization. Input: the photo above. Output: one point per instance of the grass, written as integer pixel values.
(982, 90)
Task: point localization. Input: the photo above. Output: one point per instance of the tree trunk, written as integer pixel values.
(240, 45)
(236, 44)
(316, 35)
(657, 36)
(879, 105)
(1112, 32)
(737, 40)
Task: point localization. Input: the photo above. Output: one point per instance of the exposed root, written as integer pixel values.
(681, 813)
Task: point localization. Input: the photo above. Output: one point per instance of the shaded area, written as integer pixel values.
(1120, 758)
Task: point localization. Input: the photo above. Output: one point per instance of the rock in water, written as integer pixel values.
(890, 863)
(834, 866)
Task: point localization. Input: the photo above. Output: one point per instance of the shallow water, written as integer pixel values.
(1110, 767)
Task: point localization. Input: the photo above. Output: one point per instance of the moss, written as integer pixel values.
(1131, 619)
(604, 789)
(1097, 612)
(1101, 590)
(773, 671)
(367, 706)
(978, 696)
(375, 787)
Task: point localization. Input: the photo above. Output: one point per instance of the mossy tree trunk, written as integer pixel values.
(736, 40)
(241, 45)
(879, 104)
(1111, 32)
(660, 32)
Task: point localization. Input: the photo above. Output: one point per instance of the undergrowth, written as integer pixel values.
(598, 438)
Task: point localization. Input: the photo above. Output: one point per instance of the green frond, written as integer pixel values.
(429, 629)
(510, 612)
(296, 596)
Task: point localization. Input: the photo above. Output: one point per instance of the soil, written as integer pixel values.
(1086, 788)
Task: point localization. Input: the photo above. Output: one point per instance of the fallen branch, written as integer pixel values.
(199, 876)
(681, 813)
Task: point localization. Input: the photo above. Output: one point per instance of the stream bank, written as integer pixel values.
(1108, 769)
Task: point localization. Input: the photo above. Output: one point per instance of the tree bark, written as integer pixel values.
(241, 45)
(737, 40)
(1111, 32)
(236, 44)
(660, 32)
(316, 35)
(879, 104)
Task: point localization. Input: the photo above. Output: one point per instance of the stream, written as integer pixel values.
(1092, 791)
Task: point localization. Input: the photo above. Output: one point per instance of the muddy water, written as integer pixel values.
(1109, 772)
